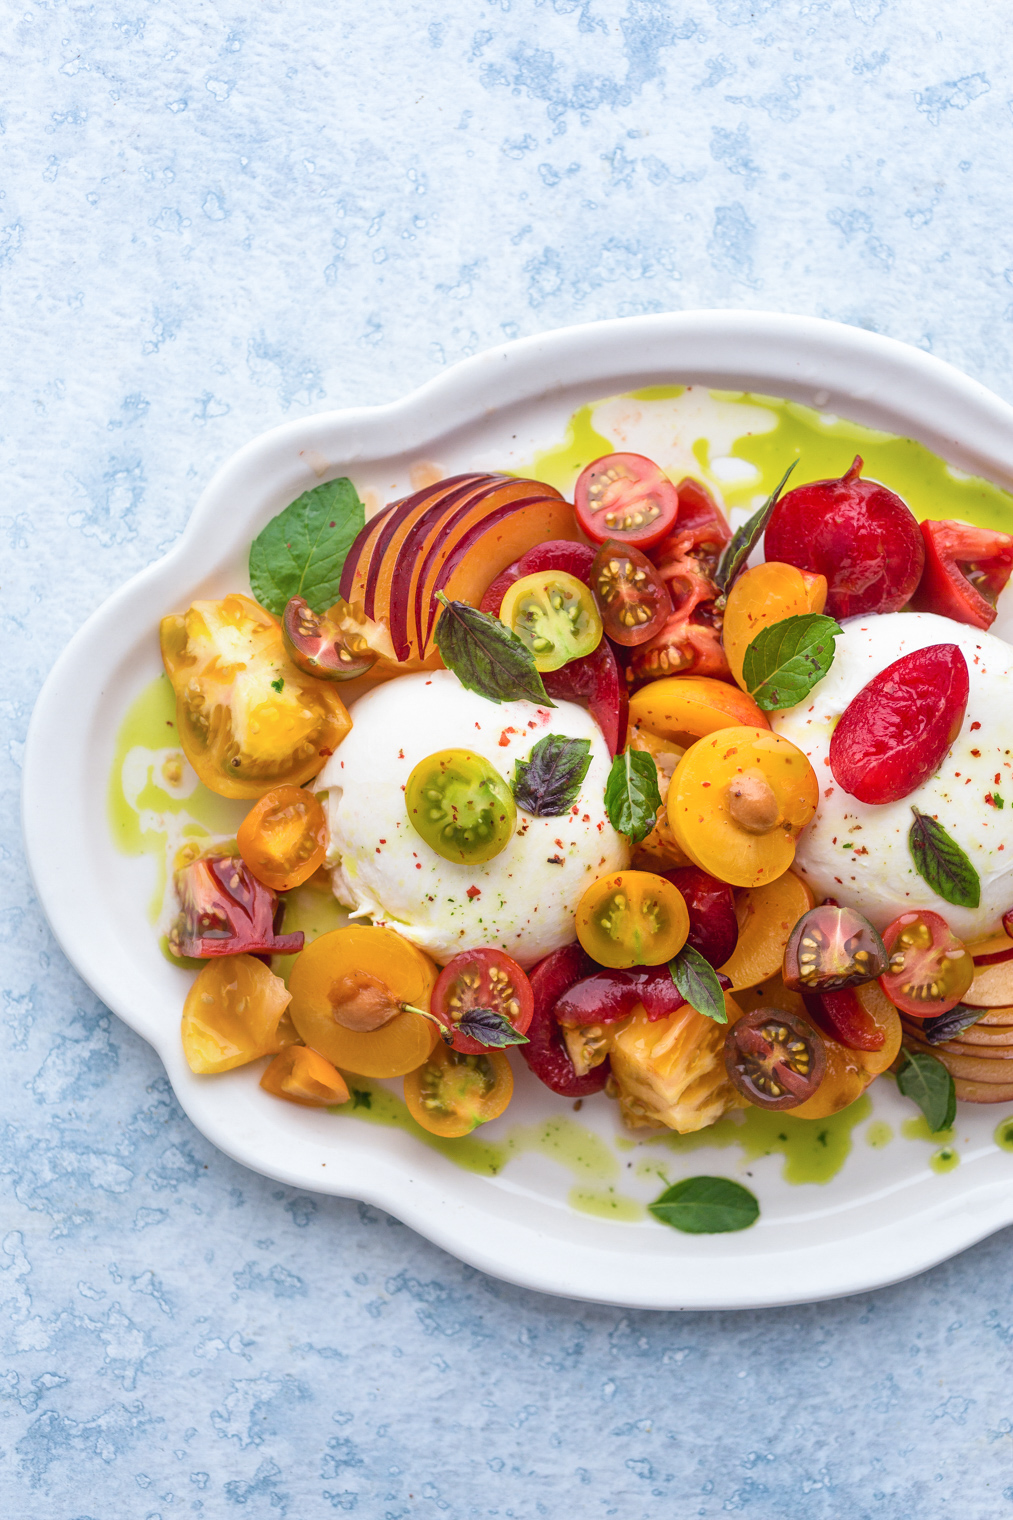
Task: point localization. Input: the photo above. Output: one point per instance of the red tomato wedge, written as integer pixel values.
(481, 979)
(965, 570)
(897, 730)
(225, 910)
(626, 497)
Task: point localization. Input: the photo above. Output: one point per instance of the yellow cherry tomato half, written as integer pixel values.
(305, 1077)
(347, 988)
(232, 1014)
(283, 839)
(633, 918)
(453, 1092)
(555, 615)
(738, 800)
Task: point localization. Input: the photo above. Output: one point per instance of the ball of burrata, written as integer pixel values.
(858, 852)
(523, 900)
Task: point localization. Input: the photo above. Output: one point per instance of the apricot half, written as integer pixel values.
(738, 801)
(762, 596)
(682, 709)
(766, 918)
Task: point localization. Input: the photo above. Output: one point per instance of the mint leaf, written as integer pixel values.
(486, 656)
(301, 551)
(706, 1206)
(632, 798)
(941, 862)
(548, 783)
(946, 1026)
(745, 539)
(925, 1080)
(698, 982)
(487, 1027)
(784, 662)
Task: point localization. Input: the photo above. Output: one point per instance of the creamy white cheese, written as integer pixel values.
(523, 901)
(858, 852)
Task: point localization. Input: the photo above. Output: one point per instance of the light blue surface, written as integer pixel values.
(215, 216)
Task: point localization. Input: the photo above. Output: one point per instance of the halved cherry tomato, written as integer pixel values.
(481, 979)
(633, 918)
(930, 969)
(546, 1053)
(336, 645)
(461, 806)
(248, 719)
(631, 596)
(305, 1077)
(774, 1058)
(831, 948)
(283, 839)
(354, 995)
(965, 570)
(625, 496)
(713, 926)
(554, 554)
(452, 1092)
(597, 678)
(232, 1014)
(225, 910)
(896, 731)
(554, 614)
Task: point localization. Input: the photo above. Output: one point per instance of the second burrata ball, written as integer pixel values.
(522, 901)
(858, 852)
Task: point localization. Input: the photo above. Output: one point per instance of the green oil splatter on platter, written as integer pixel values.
(878, 1134)
(1003, 1136)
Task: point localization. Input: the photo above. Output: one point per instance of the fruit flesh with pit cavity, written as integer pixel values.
(546, 1053)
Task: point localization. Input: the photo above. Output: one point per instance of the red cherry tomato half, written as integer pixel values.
(895, 733)
(861, 536)
(597, 678)
(626, 497)
(632, 598)
(481, 979)
(713, 927)
(554, 554)
(965, 570)
(545, 1052)
(930, 969)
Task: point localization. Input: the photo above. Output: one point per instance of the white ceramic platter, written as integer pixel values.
(885, 1215)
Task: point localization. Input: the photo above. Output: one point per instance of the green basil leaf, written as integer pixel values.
(745, 539)
(632, 798)
(548, 782)
(925, 1080)
(706, 1206)
(486, 656)
(941, 862)
(698, 982)
(487, 1027)
(946, 1026)
(784, 662)
(301, 552)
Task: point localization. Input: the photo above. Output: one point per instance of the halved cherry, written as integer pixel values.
(632, 597)
(843, 1017)
(546, 1053)
(336, 645)
(775, 1059)
(930, 969)
(965, 570)
(831, 948)
(626, 497)
(481, 979)
(609, 995)
(713, 926)
(896, 732)
(597, 678)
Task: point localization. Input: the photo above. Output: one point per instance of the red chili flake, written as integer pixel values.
(324, 752)
(400, 754)
(503, 740)
(990, 799)
(559, 844)
(998, 777)
(474, 892)
(383, 841)
(974, 726)
(829, 792)
(586, 818)
(418, 866)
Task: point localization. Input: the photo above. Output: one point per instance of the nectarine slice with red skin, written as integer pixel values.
(353, 573)
(385, 549)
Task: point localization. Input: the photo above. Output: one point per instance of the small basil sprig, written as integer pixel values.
(941, 862)
(745, 539)
(925, 1080)
(698, 982)
(946, 1026)
(483, 1025)
(486, 656)
(632, 798)
(302, 550)
(784, 661)
(548, 782)
(706, 1206)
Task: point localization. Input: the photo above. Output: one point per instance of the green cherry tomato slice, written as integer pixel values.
(555, 615)
(461, 806)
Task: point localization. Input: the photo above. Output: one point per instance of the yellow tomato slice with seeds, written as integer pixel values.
(633, 918)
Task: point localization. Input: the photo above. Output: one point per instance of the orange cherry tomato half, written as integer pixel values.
(481, 979)
(283, 839)
(626, 497)
(930, 968)
(303, 1076)
(633, 918)
(453, 1092)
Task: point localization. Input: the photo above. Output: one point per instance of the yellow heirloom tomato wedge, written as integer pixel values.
(354, 992)
(233, 1014)
(763, 596)
(633, 918)
(248, 719)
(738, 801)
(451, 1093)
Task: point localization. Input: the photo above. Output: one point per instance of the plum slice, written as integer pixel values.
(597, 678)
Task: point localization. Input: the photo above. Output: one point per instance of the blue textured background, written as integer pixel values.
(214, 216)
